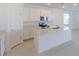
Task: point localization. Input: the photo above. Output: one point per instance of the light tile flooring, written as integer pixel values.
(25, 49)
(28, 49)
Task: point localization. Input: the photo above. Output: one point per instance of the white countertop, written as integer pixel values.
(40, 31)
(46, 30)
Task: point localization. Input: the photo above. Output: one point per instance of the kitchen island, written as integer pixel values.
(49, 38)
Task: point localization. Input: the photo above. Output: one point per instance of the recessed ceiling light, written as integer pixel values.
(75, 4)
(63, 7)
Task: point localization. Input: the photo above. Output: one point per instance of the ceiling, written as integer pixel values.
(68, 6)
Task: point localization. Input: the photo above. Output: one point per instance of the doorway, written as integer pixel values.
(66, 20)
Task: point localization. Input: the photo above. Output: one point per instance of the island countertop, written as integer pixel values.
(46, 30)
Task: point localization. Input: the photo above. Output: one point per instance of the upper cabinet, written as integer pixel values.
(59, 13)
(44, 12)
(50, 15)
(31, 14)
(26, 13)
(34, 14)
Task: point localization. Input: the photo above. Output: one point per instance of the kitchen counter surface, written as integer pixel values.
(46, 30)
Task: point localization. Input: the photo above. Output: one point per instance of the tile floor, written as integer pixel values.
(25, 49)
(28, 49)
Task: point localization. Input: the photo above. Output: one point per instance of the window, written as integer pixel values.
(66, 21)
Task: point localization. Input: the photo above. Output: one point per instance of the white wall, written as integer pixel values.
(58, 17)
(76, 20)
(3, 17)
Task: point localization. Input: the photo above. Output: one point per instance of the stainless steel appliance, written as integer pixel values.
(43, 21)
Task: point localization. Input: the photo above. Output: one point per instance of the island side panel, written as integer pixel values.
(52, 39)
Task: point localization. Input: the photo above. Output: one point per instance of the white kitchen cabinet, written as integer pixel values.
(55, 15)
(34, 14)
(27, 32)
(59, 17)
(15, 25)
(15, 37)
(51, 15)
(26, 13)
(29, 26)
(44, 12)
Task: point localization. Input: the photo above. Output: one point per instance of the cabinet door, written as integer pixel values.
(15, 24)
(50, 15)
(27, 32)
(34, 14)
(13, 37)
(44, 12)
(59, 14)
(26, 13)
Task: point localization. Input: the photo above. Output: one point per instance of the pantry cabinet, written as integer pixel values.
(14, 26)
(32, 22)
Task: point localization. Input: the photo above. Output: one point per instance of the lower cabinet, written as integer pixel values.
(14, 38)
(27, 34)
